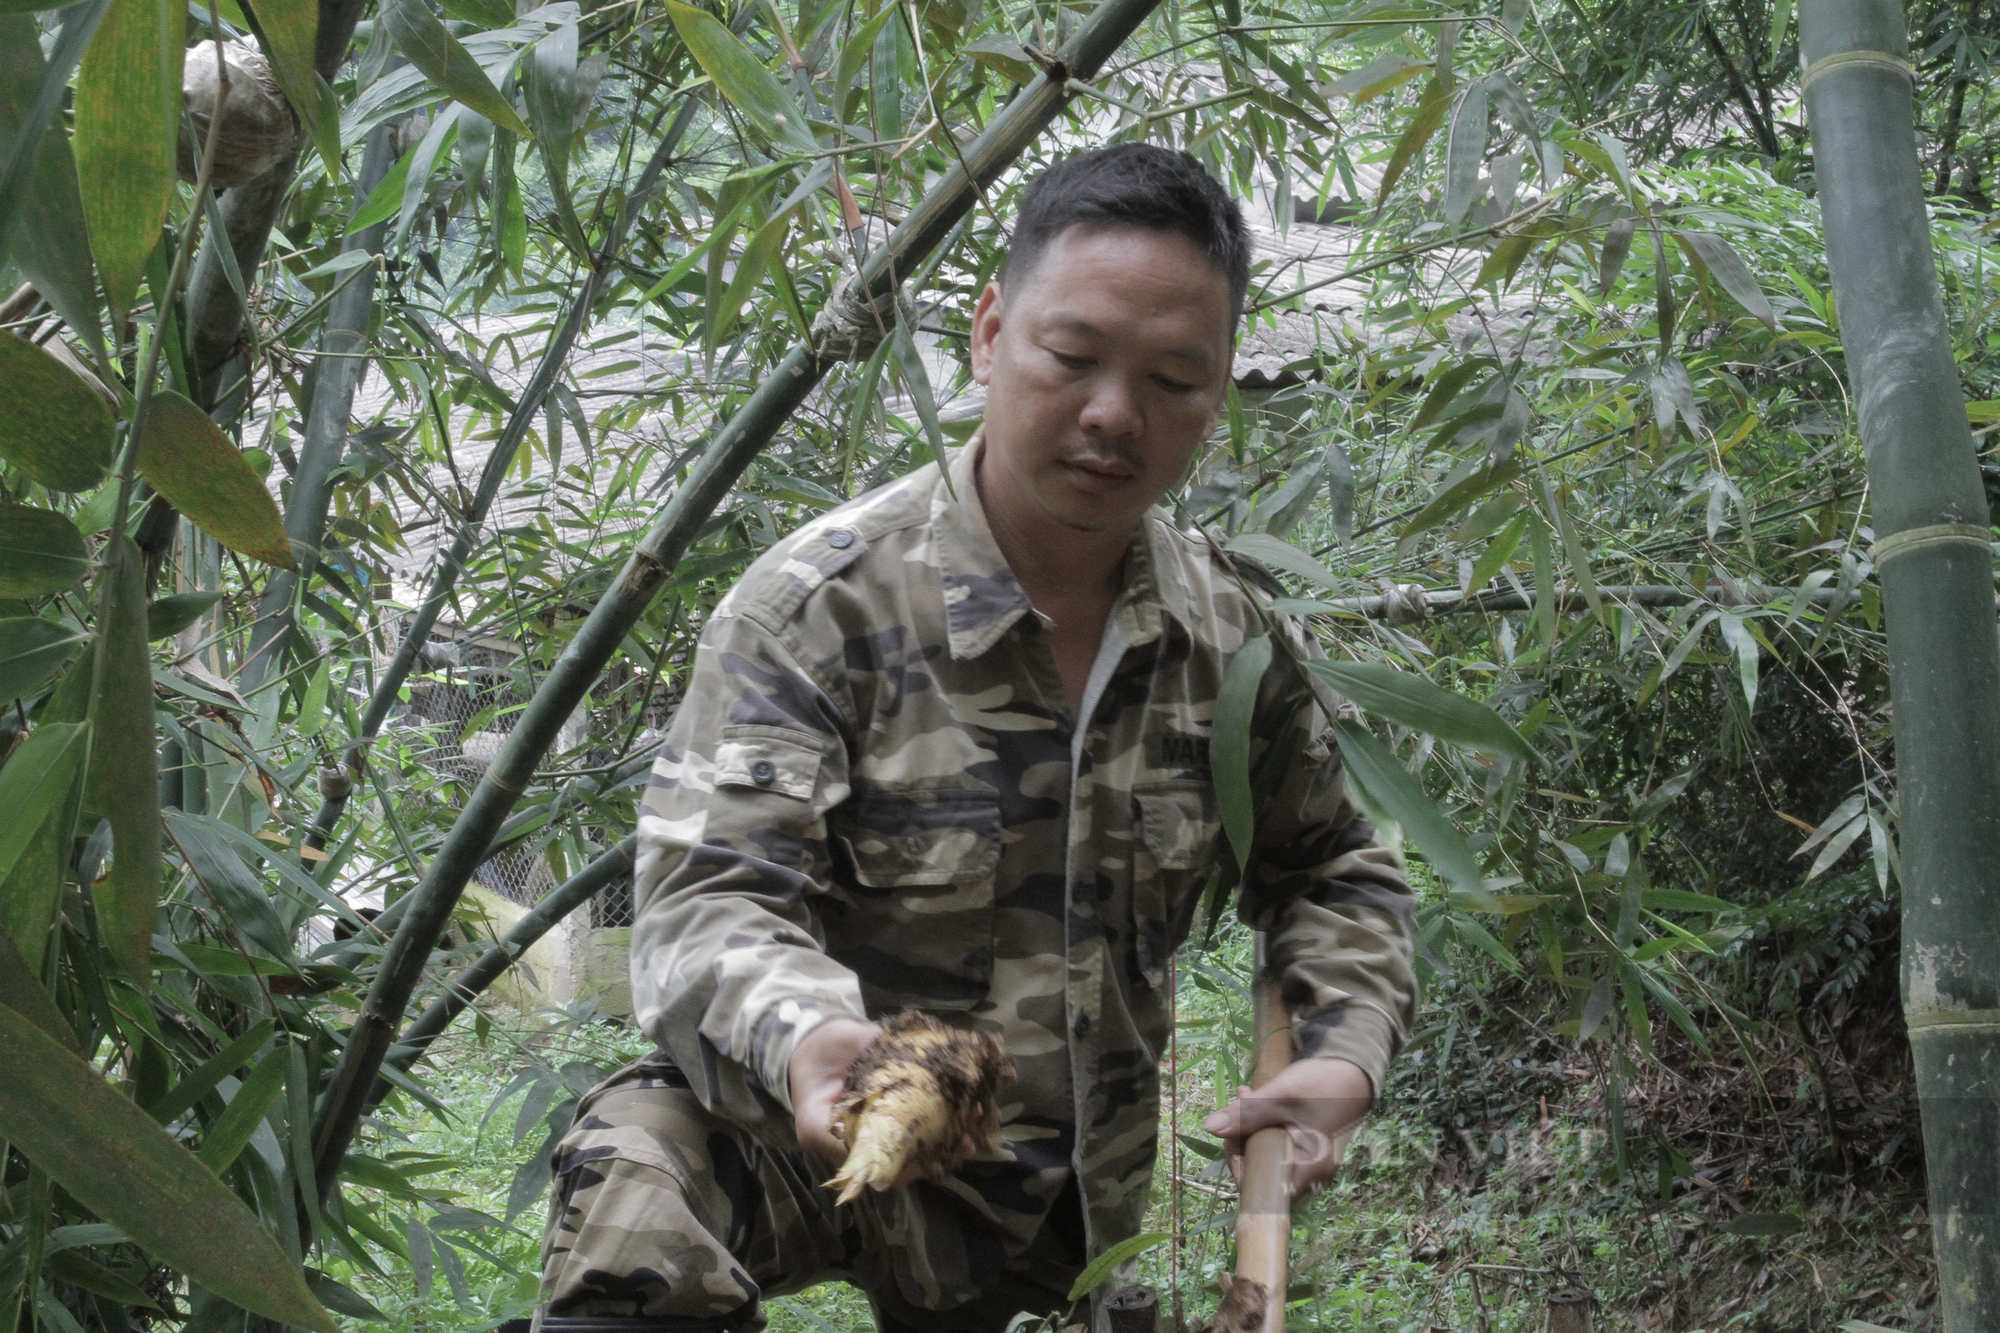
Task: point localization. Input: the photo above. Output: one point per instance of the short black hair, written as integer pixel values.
(1134, 185)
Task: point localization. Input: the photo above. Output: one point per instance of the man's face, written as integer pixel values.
(1104, 370)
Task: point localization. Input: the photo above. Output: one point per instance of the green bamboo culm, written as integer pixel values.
(731, 449)
(1934, 558)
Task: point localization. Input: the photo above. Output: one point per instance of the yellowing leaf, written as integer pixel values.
(56, 428)
(189, 460)
(128, 113)
(40, 551)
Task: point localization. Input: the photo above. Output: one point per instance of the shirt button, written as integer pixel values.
(763, 772)
(840, 539)
(1082, 1026)
(913, 845)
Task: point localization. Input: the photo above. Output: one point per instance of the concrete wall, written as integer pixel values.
(575, 961)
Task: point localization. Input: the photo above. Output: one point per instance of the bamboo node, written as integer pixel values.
(852, 324)
(1843, 59)
(1937, 534)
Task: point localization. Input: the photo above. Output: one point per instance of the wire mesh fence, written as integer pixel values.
(459, 713)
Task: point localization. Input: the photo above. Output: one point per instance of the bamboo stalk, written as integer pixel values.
(1264, 1210)
(1935, 562)
(416, 634)
(490, 966)
(328, 417)
(652, 562)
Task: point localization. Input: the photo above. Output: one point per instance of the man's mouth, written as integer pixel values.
(1098, 474)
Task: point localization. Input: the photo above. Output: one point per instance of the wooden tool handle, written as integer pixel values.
(1264, 1210)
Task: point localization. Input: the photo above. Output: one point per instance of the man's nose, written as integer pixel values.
(1112, 409)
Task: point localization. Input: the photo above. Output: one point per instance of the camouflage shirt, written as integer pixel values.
(875, 796)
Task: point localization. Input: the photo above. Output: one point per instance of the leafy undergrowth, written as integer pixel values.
(1771, 1183)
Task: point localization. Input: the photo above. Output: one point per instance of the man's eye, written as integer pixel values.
(1068, 362)
(1173, 385)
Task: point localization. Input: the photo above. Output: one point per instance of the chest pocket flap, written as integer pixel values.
(768, 759)
(1179, 823)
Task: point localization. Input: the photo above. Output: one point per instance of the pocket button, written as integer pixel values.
(763, 772)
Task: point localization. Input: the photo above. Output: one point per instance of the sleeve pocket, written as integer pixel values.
(768, 759)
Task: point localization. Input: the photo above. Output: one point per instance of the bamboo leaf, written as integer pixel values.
(1687, 644)
(79, 1271)
(446, 63)
(855, 51)
(59, 430)
(1378, 76)
(383, 203)
(32, 651)
(189, 460)
(168, 616)
(40, 551)
(417, 168)
(1737, 635)
(742, 78)
(910, 363)
(1465, 150)
(203, 1079)
(1663, 291)
(1673, 396)
(116, 1162)
(35, 780)
(1229, 748)
(1429, 115)
(1617, 246)
(1573, 549)
(128, 115)
(1389, 785)
(1681, 900)
(1728, 268)
(1268, 550)
(1340, 491)
(1446, 387)
(341, 1298)
(1595, 1008)
(1511, 102)
(255, 1096)
(551, 89)
(1100, 1269)
(230, 885)
(1498, 552)
(1837, 845)
(123, 782)
(40, 206)
(1463, 493)
(1407, 698)
(21, 992)
(1003, 55)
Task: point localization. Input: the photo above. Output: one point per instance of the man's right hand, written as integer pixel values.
(818, 1074)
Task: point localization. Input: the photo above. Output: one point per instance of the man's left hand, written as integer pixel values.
(1316, 1101)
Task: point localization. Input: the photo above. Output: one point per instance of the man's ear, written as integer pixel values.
(986, 317)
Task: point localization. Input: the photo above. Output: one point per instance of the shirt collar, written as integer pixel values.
(983, 600)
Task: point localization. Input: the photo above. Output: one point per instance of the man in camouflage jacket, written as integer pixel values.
(878, 795)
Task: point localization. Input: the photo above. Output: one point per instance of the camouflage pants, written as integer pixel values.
(661, 1210)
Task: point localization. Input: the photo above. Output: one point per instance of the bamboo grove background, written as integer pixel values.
(1583, 384)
